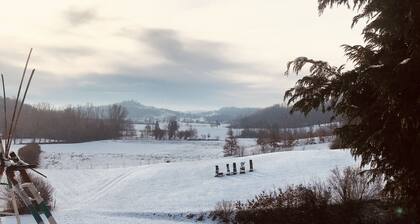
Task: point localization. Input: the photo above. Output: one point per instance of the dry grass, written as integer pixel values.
(30, 154)
(224, 212)
(45, 189)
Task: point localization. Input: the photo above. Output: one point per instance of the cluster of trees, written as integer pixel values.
(298, 133)
(378, 98)
(276, 139)
(271, 140)
(171, 132)
(45, 123)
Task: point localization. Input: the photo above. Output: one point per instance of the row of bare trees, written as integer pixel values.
(275, 139)
(71, 124)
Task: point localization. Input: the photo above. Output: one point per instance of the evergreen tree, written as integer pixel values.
(172, 128)
(231, 146)
(379, 98)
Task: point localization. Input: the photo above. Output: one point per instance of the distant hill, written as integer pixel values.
(139, 113)
(280, 116)
(229, 114)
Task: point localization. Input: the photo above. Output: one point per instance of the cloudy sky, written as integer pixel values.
(178, 54)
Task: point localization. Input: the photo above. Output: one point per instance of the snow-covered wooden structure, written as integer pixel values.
(10, 164)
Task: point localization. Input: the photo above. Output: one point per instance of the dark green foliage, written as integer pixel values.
(379, 99)
(337, 143)
(231, 146)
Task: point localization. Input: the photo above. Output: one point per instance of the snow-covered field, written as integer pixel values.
(218, 132)
(101, 182)
(124, 153)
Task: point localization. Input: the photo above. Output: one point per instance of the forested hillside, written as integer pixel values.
(279, 116)
(229, 114)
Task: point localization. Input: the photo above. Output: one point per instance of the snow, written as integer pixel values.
(160, 182)
(405, 61)
(121, 153)
(376, 66)
(165, 192)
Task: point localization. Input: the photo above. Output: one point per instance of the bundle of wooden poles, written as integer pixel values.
(10, 163)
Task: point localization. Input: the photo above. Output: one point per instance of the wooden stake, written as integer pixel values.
(15, 207)
(5, 117)
(16, 103)
(14, 125)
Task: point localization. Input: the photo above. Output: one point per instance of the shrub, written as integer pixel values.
(293, 205)
(224, 212)
(201, 217)
(349, 197)
(352, 184)
(44, 188)
(30, 154)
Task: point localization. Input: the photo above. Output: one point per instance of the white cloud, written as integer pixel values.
(241, 43)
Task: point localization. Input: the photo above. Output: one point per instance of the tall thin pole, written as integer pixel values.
(14, 203)
(14, 125)
(5, 114)
(16, 103)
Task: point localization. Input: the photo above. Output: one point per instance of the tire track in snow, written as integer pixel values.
(180, 217)
(108, 186)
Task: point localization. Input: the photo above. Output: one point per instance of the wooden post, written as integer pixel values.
(251, 166)
(218, 174)
(15, 207)
(227, 169)
(242, 168)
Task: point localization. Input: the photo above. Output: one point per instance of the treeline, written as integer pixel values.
(279, 116)
(276, 139)
(171, 132)
(43, 122)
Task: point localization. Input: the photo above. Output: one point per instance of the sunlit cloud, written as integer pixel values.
(180, 54)
(78, 17)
